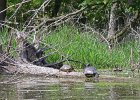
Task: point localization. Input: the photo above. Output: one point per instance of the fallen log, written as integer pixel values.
(30, 69)
(33, 70)
(24, 64)
(49, 73)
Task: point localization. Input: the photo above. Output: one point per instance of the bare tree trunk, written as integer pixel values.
(2, 13)
(112, 22)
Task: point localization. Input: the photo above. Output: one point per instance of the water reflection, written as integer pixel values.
(122, 92)
(68, 89)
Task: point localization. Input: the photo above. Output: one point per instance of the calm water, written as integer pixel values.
(41, 88)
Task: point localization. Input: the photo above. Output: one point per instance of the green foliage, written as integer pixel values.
(21, 14)
(4, 40)
(4, 37)
(82, 46)
(94, 2)
(86, 48)
(97, 11)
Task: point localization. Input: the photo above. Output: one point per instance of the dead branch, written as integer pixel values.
(53, 21)
(26, 1)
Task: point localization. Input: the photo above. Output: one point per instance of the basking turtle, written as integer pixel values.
(90, 71)
(67, 68)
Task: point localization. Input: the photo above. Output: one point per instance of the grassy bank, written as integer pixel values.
(87, 48)
(84, 47)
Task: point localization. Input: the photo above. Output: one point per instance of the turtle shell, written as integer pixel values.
(90, 71)
(66, 68)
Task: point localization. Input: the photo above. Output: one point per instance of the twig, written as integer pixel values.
(36, 12)
(14, 5)
(56, 20)
(19, 6)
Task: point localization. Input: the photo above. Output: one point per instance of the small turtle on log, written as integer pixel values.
(91, 71)
(67, 68)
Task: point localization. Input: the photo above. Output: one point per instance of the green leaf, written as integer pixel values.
(105, 1)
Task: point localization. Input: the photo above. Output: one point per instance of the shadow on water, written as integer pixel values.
(42, 88)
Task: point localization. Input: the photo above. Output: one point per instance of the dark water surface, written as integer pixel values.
(41, 88)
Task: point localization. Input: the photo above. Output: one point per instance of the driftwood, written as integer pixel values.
(10, 66)
(30, 61)
(33, 70)
(30, 69)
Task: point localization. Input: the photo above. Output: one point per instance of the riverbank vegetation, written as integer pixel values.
(85, 47)
(104, 33)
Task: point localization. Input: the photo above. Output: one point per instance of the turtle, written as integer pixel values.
(90, 71)
(67, 68)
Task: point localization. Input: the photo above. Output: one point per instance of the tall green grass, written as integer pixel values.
(87, 48)
(84, 47)
(5, 36)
